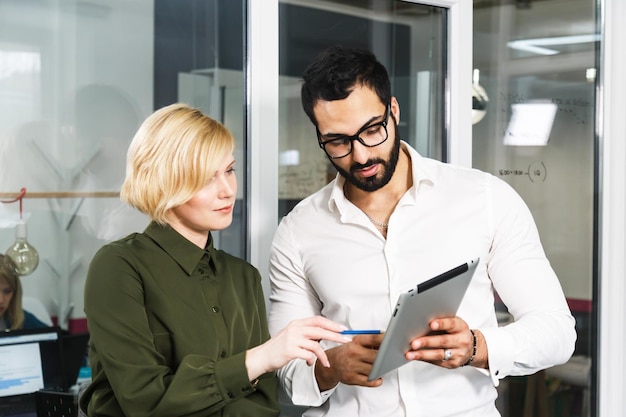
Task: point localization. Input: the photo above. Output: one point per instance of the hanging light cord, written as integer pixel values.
(18, 198)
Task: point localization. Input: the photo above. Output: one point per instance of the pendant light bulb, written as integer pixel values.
(22, 253)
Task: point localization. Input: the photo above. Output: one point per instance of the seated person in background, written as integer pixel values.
(188, 334)
(12, 316)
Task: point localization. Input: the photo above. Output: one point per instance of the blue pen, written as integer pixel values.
(361, 332)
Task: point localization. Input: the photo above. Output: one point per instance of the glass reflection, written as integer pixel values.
(76, 80)
(537, 65)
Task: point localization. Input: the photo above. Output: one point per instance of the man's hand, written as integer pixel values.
(350, 363)
(452, 335)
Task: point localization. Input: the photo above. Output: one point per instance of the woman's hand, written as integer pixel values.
(298, 340)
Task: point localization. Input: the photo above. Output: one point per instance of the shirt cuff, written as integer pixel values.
(231, 378)
(304, 388)
(501, 353)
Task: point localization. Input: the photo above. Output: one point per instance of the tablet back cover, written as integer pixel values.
(437, 297)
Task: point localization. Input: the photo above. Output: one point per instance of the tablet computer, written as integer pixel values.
(437, 297)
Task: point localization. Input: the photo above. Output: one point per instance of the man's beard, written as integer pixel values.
(375, 182)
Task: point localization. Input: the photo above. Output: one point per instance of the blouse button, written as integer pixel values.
(215, 309)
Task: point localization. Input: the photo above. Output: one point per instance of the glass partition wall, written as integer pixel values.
(408, 38)
(534, 109)
(76, 80)
(535, 100)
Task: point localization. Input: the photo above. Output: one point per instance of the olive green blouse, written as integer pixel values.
(169, 326)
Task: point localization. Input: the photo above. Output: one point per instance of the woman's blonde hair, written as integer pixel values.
(14, 313)
(175, 152)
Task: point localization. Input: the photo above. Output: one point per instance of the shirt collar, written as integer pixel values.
(423, 172)
(185, 253)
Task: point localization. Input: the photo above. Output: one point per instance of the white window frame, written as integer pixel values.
(262, 109)
(612, 190)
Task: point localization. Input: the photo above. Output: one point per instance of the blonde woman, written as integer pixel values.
(12, 315)
(177, 326)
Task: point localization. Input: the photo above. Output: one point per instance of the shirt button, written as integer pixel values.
(223, 354)
(230, 395)
(215, 309)
(201, 271)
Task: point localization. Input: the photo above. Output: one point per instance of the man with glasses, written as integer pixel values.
(389, 220)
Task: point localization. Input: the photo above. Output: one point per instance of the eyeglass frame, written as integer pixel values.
(356, 136)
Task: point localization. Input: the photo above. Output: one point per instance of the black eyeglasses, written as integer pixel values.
(370, 136)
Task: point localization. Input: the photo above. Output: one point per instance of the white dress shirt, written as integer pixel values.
(327, 258)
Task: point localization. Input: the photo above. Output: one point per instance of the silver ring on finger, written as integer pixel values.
(447, 354)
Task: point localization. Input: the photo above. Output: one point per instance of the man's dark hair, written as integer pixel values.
(335, 72)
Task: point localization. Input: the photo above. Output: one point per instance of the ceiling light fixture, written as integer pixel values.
(537, 45)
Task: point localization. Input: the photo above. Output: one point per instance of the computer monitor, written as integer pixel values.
(30, 360)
